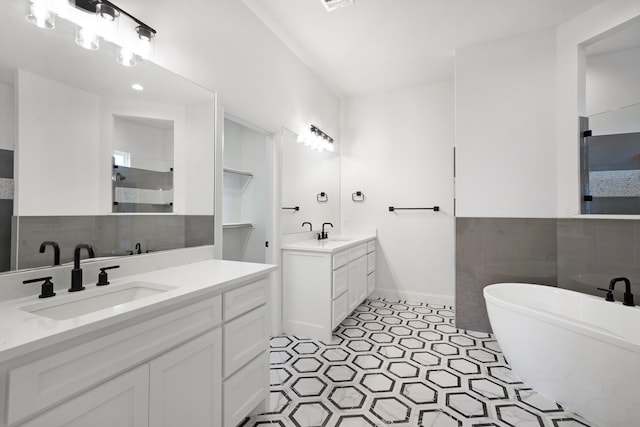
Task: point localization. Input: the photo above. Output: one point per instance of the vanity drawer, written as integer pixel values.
(340, 259)
(371, 246)
(340, 280)
(340, 309)
(54, 378)
(245, 338)
(371, 262)
(244, 390)
(245, 298)
(357, 252)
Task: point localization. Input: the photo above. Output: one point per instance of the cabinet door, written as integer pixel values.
(362, 278)
(371, 283)
(186, 384)
(357, 282)
(120, 402)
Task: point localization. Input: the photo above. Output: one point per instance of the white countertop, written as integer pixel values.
(22, 332)
(333, 244)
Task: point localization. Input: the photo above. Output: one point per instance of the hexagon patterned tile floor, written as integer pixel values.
(401, 364)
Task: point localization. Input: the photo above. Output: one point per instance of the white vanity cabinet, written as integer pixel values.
(203, 363)
(323, 283)
(371, 267)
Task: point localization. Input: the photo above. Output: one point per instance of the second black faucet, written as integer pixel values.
(323, 234)
(76, 273)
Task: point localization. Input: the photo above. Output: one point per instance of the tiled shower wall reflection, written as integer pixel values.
(593, 251)
(6, 207)
(110, 235)
(576, 254)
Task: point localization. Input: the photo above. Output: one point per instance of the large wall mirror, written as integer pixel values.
(610, 143)
(94, 152)
(311, 183)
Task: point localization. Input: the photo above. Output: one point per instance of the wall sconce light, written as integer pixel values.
(316, 140)
(95, 20)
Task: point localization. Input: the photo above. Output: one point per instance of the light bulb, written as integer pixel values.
(126, 57)
(87, 38)
(144, 47)
(106, 22)
(107, 12)
(40, 16)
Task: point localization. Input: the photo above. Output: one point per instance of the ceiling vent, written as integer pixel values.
(331, 5)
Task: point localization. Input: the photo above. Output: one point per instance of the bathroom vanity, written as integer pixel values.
(325, 280)
(185, 345)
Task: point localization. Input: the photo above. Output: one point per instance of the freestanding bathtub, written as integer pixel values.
(577, 349)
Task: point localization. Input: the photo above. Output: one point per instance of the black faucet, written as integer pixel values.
(324, 235)
(310, 226)
(56, 250)
(628, 296)
(76, 273)
(138, 248)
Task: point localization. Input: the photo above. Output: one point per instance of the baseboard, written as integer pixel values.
(394, 294)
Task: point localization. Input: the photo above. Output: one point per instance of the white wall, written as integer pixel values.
(58, 153)
(505, 147)
(613, 92)
(570, 90)
(7, 116)
(224, 47)
(305, 173)
(200, 156)
(397, 148)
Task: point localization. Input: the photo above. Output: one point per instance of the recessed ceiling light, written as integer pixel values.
(137, 86)
(331, 5)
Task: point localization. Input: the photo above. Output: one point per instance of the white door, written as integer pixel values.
(120, 402)
(186, 383)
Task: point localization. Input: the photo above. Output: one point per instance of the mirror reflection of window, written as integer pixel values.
(121, 158)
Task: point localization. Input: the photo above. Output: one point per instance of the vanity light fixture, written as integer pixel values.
(126, 57)
(40, 16)
(95, 20)
(332, 5)
(87, 39)
(316, 140)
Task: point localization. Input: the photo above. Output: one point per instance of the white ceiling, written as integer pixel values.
(377, 45)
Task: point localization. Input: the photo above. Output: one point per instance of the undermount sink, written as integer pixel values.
(69, 306)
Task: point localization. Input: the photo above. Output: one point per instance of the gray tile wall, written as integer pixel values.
(6, 164)
(575, 254)
(593, 251)
(6, 210)
(494, 250)
(198, 230)
(109, 234)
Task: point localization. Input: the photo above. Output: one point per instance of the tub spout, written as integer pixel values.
(628, 296)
